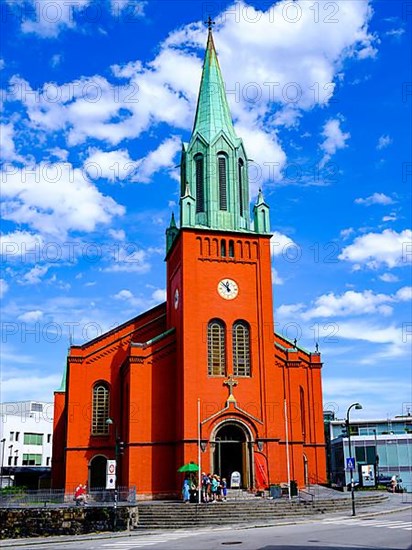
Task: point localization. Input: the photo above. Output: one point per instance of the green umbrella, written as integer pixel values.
(190, 467)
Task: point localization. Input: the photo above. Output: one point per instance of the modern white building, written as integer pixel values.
(381, 448)
(26, 431)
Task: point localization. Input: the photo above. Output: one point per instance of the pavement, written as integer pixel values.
(394, 503)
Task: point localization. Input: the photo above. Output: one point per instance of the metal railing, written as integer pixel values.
(18, 496)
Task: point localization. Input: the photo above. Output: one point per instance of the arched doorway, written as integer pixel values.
(232, 453)
(97, 472)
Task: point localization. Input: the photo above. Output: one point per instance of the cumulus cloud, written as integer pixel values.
(55, 198)
(388, 278)
(280, 243)
(4, 287)
(31, 316)
(21, 246)
(276, 278)
(335, 139)
(35, 275)
(376, 198)
(404, 294)
(272, 89)
(383, 142)
(389, 248)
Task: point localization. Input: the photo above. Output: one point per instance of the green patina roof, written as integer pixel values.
(63, 382)
(212, 113)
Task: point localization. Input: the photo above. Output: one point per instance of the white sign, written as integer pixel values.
(111, 474)
(235, 480)
(368, 475)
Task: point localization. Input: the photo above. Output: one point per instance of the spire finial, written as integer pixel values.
(209, 23)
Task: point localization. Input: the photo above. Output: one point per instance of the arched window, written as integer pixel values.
(222, 172)
(216, 348)
(100, 409)
(240, 182)
(241, 349)
(200, 188)
(223, 248)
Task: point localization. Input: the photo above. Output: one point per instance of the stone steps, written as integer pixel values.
(179, 515)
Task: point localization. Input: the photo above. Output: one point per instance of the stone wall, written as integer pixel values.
(41, 522)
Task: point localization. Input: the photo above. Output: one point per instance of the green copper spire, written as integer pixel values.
(214, 166)
(212, 113)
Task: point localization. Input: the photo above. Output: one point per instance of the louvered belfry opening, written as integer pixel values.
(222, 170)
(200, 184)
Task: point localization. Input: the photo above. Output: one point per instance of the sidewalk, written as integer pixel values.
(395, 503)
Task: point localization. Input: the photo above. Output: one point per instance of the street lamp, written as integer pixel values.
(110, 422)
(356, 406)
(3, 441)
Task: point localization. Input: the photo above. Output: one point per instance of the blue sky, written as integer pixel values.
(96, 99)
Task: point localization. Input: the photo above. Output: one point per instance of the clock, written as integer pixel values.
(228, 289)
(176, 298)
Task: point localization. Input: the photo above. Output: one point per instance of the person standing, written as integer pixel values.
(186, 490)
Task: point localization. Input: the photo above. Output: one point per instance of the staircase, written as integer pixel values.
(250, 509)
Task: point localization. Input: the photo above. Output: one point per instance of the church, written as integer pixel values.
(202, 377)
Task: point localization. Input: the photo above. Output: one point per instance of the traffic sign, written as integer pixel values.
(350, 463)
(111, 474)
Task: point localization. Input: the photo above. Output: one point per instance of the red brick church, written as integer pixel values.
(204, 374)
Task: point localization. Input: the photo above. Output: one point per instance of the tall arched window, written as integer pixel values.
(100, 409)
(240, 182)
(241, 349)
(222, 172)
(200, 187)
(216, 348)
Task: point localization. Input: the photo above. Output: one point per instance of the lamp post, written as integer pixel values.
(3, 442)
(109, 423)
(357, 406)
(376, 460)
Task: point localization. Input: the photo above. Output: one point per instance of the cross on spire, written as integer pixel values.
(230, 383)
(209, 23)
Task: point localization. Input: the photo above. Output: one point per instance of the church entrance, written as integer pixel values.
(232, 453)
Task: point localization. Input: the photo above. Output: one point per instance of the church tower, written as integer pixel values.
(219, 294)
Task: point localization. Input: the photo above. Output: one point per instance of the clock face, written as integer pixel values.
(176, 298)
(228, 289)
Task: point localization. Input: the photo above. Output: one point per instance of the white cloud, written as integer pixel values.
(157, 160)
(26, 385)
(50, 18)
(388, 248)
(4, 287)
(346, 233)
(111, 165)
(348, 304)
(404, 294)
(391, 218)
(35, 275)
(376, 198)
(388, 278)
(276, 278)
(117, 234)
(334, 139)
(56, 60)
(55, 198)
(280, 243)
(31, 316)
(165, 89)
(21, 246)
(123, 295)
(397, 33)
(129, 260)
(383, 142)
(159, 295)
(8, 149)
